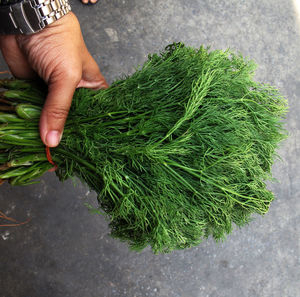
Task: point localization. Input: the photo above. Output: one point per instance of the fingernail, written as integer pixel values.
(53, 138)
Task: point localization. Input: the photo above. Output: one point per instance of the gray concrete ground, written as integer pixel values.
(65, 251)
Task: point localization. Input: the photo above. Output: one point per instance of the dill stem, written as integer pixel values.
(75, 157)
(93, 118)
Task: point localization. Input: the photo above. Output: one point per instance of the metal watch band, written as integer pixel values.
(31, 16)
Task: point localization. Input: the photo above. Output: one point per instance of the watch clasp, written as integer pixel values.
(26, 16)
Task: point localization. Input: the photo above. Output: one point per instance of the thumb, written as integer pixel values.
(55, 111)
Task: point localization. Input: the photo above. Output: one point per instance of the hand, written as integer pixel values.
(59, 56)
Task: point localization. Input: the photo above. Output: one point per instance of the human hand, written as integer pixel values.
(59, 56)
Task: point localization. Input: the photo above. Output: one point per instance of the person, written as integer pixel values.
(58, 55)
(89, 1)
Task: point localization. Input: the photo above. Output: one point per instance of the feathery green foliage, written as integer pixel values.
(178, 151)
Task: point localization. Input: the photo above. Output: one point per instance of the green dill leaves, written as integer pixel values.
(178, 151)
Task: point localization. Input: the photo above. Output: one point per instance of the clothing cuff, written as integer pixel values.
(9, 2)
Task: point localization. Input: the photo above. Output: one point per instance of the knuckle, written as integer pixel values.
(57, 113)
(72, 75)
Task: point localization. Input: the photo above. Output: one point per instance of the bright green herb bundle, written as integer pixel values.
(176, 152)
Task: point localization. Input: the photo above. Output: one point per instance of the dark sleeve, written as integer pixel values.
(7, 2)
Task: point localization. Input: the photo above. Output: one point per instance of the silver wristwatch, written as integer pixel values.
(31, 16)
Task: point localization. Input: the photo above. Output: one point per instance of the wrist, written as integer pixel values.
(31, 16)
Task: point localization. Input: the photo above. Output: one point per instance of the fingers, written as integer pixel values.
(55, 110)
(59, 99)
(60, 94)
(15, 58)
(91, 75)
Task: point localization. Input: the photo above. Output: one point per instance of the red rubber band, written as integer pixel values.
(5, 72)
(49, 158)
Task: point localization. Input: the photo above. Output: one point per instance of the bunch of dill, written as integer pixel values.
(178, 151)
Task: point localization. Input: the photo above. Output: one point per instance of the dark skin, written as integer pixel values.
(59, 56)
